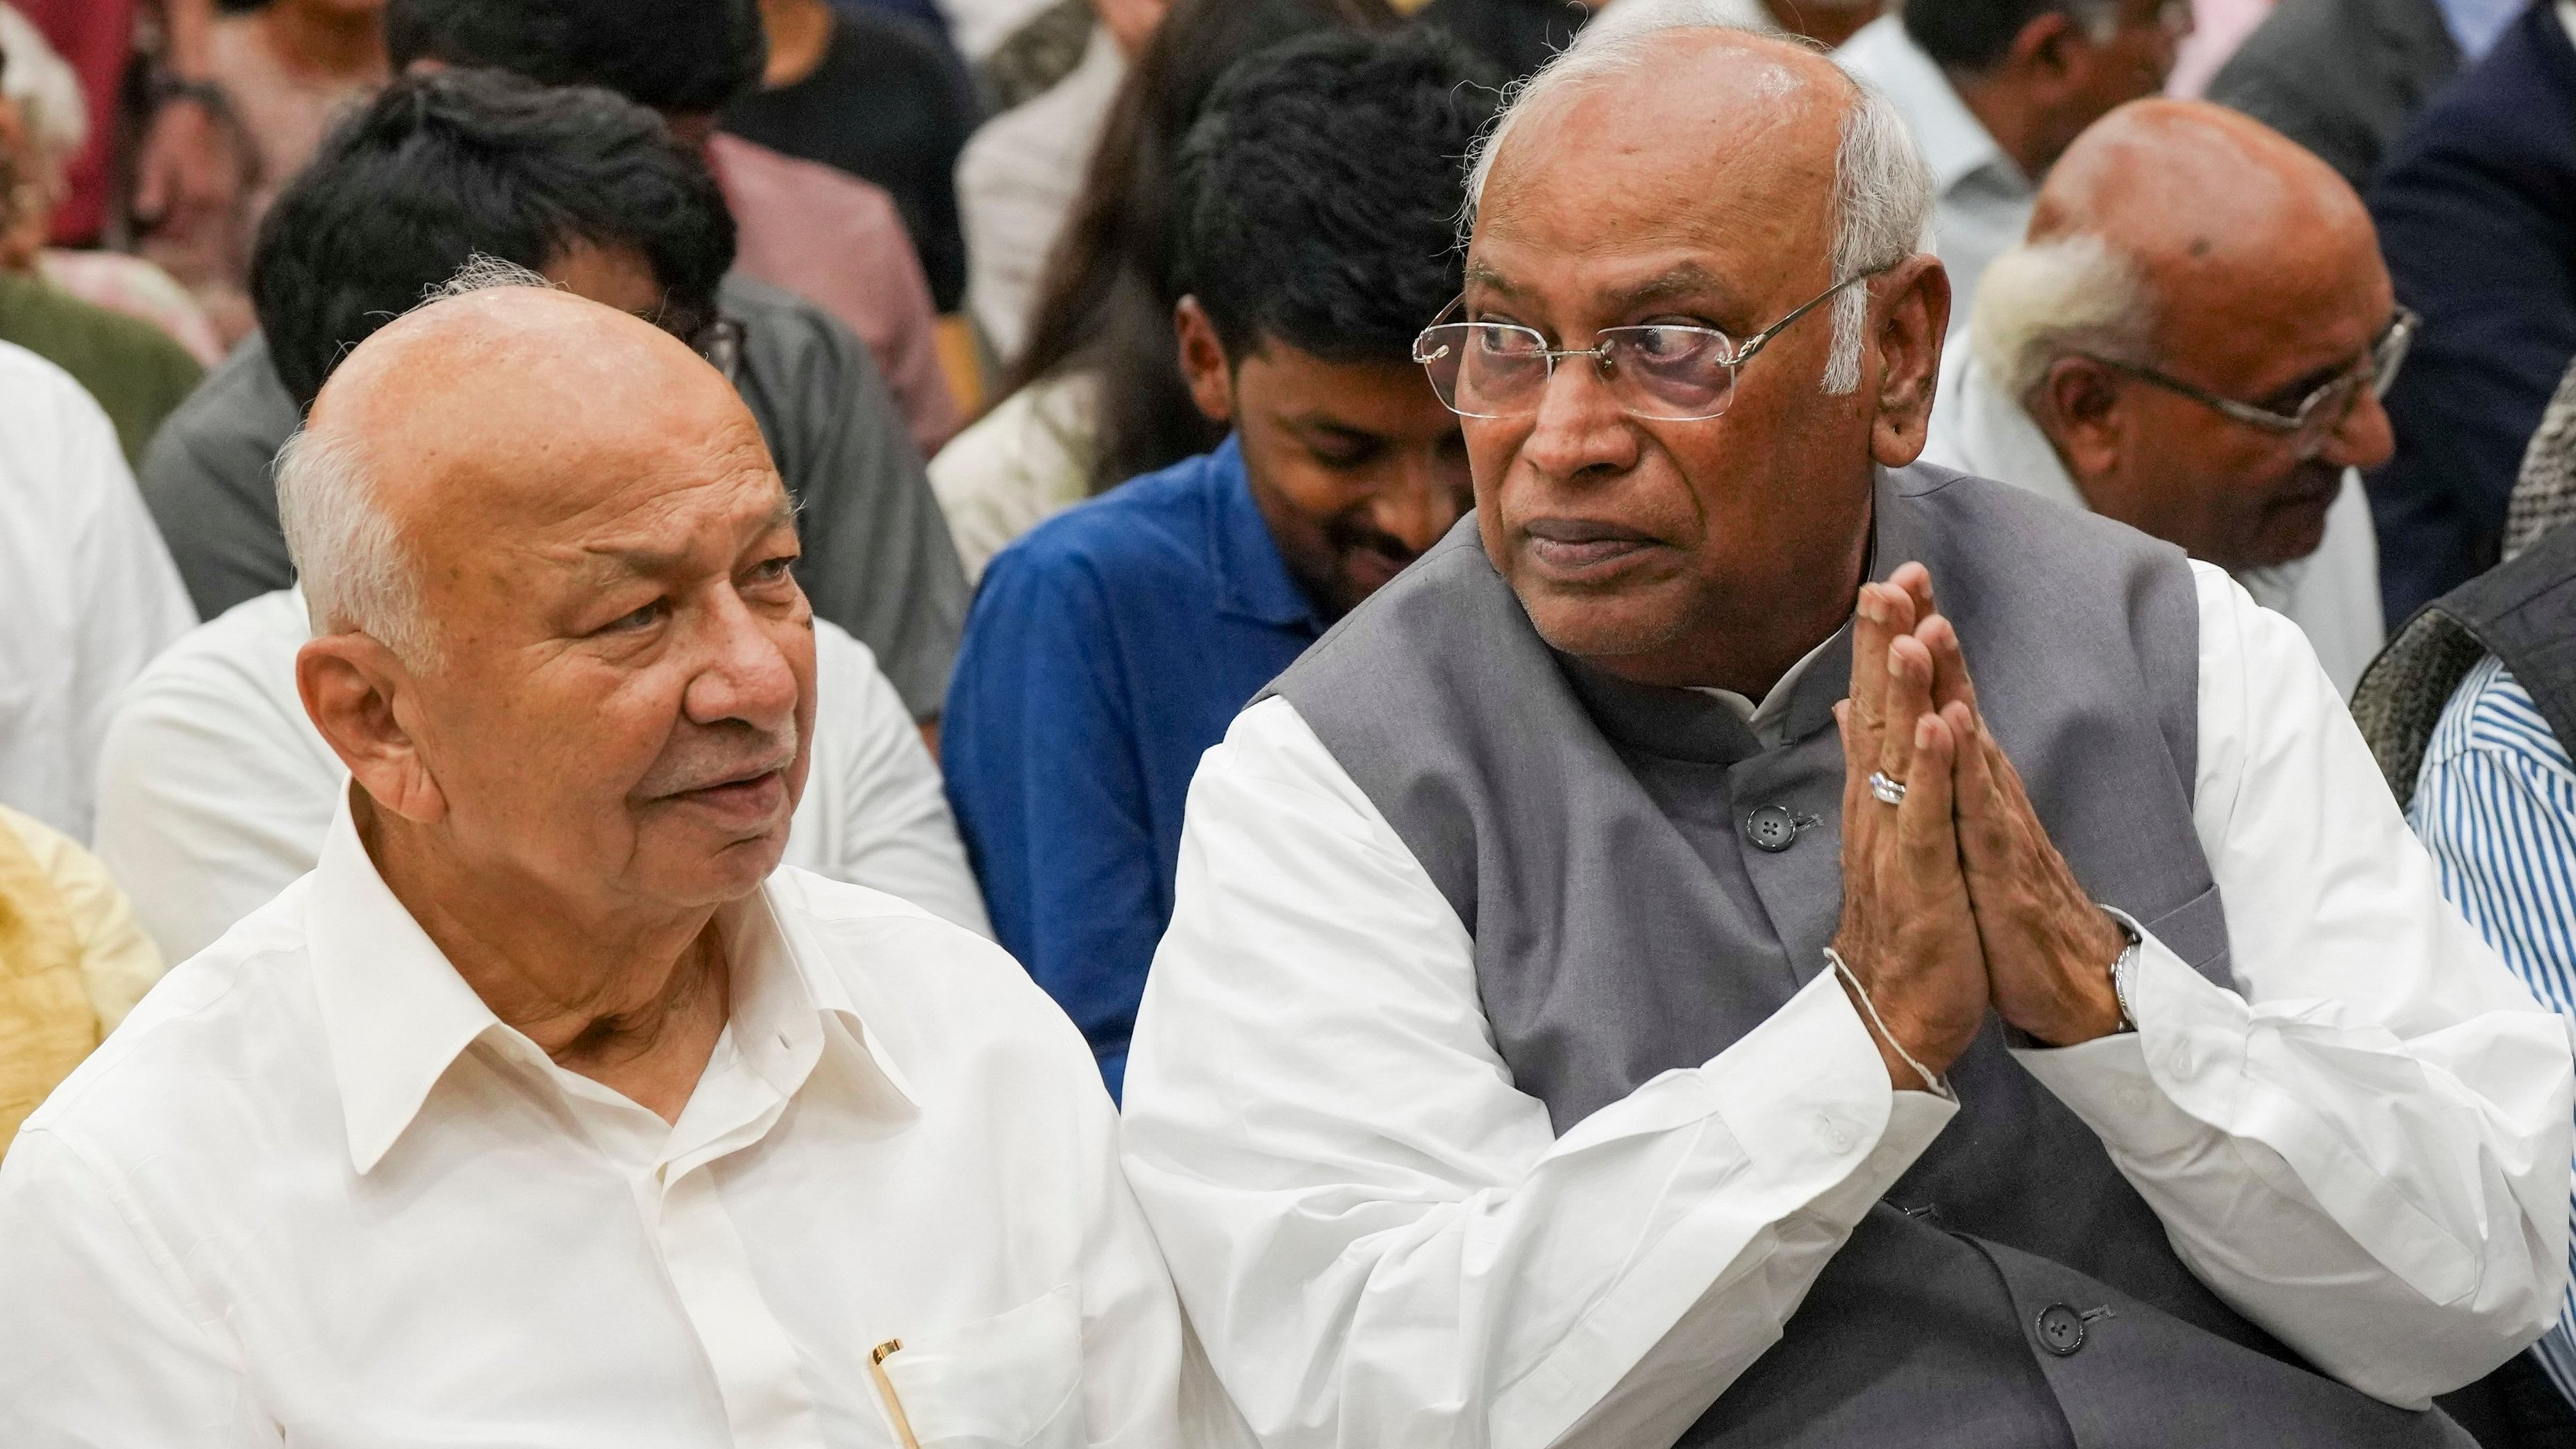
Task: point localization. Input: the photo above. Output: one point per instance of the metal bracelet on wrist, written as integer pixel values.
(2123, 970)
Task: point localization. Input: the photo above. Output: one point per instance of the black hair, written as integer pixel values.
(1974, 36)
(1105, 299)
(680, 57)
(1318, 196)
(442, 166)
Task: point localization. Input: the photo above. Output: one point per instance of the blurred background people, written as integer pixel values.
(2194, 340)
(877, 95)
(822, 234)
(1018, 176)
(72, 962)
(592, 191)
(183, 171)
(1313, 210)
(1994, 90)
(2343, 77)
(1514, 37)
(132, 368)
(286, 71)
(87, 592)
(1097, 395)
(2476, 208)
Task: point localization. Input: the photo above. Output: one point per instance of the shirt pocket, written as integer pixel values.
(1011, 1381)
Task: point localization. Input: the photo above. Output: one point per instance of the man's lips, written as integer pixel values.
(1582, 545)
(748, 794)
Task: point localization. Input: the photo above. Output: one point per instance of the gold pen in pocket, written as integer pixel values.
(885, 1387)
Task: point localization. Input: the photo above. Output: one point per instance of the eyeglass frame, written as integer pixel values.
(1740, 353)
(2377, 370)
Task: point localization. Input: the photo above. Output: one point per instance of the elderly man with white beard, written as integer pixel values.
(1661, 972)
(2194, 341)
(548, 1109)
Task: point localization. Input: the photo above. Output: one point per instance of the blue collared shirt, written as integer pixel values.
(1107, 650)
(2496, 805)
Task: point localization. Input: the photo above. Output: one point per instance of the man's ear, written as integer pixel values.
(2047, 46)
(1203, 361)
(1911, 315)
(360, 697)
(2078, 407)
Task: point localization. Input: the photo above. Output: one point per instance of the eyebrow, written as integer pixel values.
(1681, 279)
(647, 561)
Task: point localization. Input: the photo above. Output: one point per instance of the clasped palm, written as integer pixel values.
(1954, 899)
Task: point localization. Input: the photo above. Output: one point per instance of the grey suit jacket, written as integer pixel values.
(2341, 77)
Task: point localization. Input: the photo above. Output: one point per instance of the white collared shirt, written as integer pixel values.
(215, 789)
(1981, 200)
(2332, 594)
(87, 591)
(314, 1192)
(2363, 1147)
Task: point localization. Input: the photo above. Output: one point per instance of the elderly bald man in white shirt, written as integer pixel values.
(2194, 340)
(1618, 992)
(215, 791)
(549, 1109)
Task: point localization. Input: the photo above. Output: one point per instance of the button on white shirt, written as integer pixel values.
(215, 789)
(314, 1193)
(1981, 199)
(2363, 1147)
(2332, 594)
(87, 591)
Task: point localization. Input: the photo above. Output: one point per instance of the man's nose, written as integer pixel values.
(2365, 438)
(746, 674)
(1580, 426)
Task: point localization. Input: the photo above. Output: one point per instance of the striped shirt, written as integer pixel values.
(2496, 806)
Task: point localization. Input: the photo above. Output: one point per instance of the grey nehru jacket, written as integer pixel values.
(1645, 883)
(878, 560)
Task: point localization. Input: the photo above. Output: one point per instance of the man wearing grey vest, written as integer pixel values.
(1495, 1084)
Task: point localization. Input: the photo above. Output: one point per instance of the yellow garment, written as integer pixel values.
(72, 962)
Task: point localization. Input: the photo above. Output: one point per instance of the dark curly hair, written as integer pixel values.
(680, 57)
(1318, 195)
(445, 165)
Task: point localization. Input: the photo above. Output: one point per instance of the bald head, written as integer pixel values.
(2194, 322)
(501, 405)
(2211, 206)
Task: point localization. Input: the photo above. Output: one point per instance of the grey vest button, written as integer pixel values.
(2061, 1329)
(1771, 828)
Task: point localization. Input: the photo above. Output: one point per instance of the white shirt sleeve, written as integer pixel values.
(877, 814)
(2364, 1146)
(1380, 1239)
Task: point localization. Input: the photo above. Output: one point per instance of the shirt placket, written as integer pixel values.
(767, 1402)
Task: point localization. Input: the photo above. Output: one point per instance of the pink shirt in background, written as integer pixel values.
(2217, 28)
(839, 243)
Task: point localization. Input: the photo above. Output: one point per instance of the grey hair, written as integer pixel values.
(2046, 300)
(47, 90)
(356, 570)
(1882, 188)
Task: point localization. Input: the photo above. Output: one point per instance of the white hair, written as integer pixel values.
(1882, 188)
(2046, 300)
(47, 90)
(353, 563)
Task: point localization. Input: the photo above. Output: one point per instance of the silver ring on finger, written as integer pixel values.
(1887, 791)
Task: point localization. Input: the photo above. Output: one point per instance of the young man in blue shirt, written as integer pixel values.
(1314, 217)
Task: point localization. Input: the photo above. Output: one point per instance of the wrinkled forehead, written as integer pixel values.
(1721, 162)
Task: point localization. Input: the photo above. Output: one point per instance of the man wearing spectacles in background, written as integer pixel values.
(1621, 992)
(2193, 341)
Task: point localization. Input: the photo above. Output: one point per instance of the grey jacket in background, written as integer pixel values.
(2341, 77)
(878, 560)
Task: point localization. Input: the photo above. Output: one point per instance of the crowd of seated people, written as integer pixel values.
(1288, 722)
